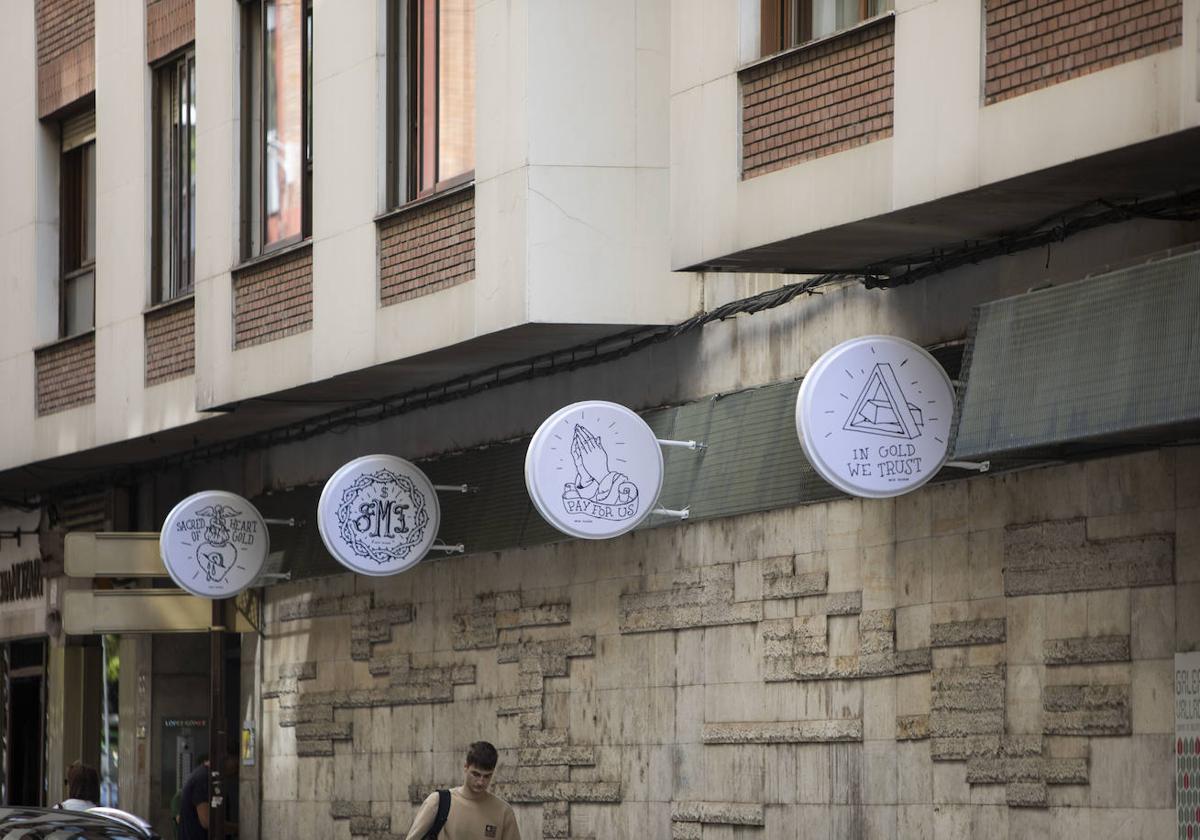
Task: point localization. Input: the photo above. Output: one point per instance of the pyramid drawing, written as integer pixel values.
(882, 409)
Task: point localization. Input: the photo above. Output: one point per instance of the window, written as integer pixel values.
(174, 178)
(277, 100)
(787, 23)
(77, 290)
(431, 92)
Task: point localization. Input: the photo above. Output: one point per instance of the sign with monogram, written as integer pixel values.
(214, 544)
(594, 470)
(378, 515)
(874, 415)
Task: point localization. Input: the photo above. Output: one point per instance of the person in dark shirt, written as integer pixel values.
(193, 804)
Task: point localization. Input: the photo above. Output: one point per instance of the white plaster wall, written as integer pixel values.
(28, 228)
(944, 140)
(598, 164)
(122, 217)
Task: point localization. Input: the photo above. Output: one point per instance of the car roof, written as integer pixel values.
(20, 823)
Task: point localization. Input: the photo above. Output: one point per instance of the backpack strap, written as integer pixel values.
(443, 812)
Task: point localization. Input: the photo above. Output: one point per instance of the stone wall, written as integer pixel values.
(988, 657)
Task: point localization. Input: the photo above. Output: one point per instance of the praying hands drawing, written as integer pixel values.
(594, 480)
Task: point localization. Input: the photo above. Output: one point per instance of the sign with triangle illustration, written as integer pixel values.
(882, 408)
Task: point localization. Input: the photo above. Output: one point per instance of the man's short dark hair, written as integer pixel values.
(83, 782)
(483, 755)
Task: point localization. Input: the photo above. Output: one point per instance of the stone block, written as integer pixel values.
(1066, 615)
(1027, 794)
(794, 585)
(1025, 629)
(1152, 622)
(1144, 481)
(1085, 650)
(717, 813)
(1187, 617)
(985, 563)
(913, 582)
(985, 631)
(949, 568)
(342, 809)
(1087, 709)
(556, 819)
(784, 732)
(1153, 695)
(912, 727)
(1056, 556)
(913, 627)
(914, 517)
(1108, 612)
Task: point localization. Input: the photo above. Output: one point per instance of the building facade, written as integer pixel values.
(247, 242)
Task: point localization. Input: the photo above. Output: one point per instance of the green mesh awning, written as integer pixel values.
(1108, 360)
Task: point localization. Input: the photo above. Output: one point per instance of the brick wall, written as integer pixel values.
(66, 52)
(820, 99)
(1032, 44)
(171, 341)
(273, 298)
(427, 248)
(66, 374)
(170, 24)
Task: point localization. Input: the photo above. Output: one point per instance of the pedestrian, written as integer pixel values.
(474, 813)
(83, 788)
(193, 804)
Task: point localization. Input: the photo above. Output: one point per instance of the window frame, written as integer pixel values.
(413, 125)
(182, 260)
(254, 132)
(784, 24)
(76, 177)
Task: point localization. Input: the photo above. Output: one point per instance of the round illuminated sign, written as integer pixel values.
(874, 416)
(594, 470)
(214, 544)
(378, 515)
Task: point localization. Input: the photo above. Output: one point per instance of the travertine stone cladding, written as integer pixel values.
(1035, 43)
(798, 649)
(986, 631)
(1087, 709)
(478, 626)
(1057, 556)
(855, 668)
(688, 818)
(1086, 650)
(700, 598)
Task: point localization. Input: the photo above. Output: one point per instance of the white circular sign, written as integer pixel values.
(874, 416)
(594, 470)
(214, 544)
(378, 515)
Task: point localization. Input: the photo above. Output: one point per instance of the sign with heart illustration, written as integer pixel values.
(214, 544)
(874, 416)
(378, 515)
(594, 470)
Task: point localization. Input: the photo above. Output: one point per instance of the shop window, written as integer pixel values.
(174, 177)
(77, 288)
(789, 23)
(277, 118)
(431, 97)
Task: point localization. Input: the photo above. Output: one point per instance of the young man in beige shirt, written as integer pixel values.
(475, 814)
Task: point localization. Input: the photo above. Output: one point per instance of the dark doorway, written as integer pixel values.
(26, 723)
